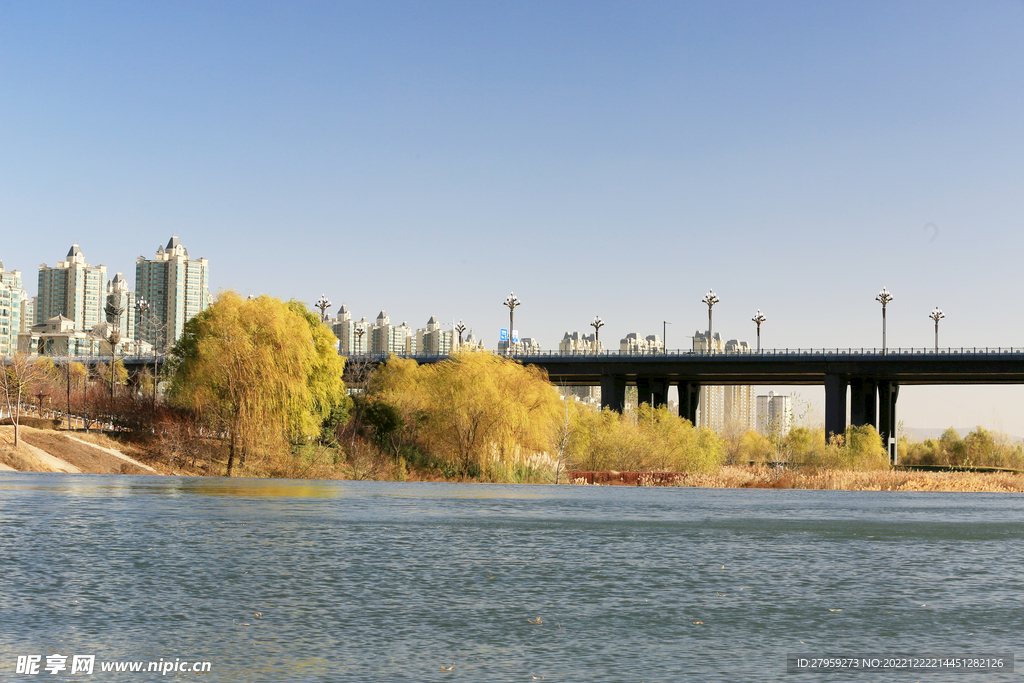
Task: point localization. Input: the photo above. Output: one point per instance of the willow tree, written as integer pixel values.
(258, 368)
(479, 404)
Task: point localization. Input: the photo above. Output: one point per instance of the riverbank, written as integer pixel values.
(49, 450)
(739, 476)
(56, 450)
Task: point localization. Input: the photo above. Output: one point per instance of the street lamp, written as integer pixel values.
(360, 331)
(710, 299)
(114, 309)
(144, 307)
(460, 328)
(884, 298)
(937, 315)
(323, 304)
(759, 319)
(512, 302)
(664, 335)
(597, 324)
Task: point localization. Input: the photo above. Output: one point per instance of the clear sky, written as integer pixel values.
(603, 158)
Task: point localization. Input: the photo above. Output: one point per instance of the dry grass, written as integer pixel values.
(21, 459)
(846, 480)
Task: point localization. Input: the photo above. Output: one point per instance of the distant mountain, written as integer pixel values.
(925, 433)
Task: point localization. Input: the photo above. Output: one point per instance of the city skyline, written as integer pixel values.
(604, 159)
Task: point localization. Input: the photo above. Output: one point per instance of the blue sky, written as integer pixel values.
(597, 158)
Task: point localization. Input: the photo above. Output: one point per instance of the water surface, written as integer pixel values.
(361, 581)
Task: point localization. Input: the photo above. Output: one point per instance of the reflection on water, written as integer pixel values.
(275, 580)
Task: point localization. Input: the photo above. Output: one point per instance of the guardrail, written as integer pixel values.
(849, 351)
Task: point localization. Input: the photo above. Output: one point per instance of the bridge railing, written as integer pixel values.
(752, 353)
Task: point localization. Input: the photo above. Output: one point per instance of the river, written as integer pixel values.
(271, 580)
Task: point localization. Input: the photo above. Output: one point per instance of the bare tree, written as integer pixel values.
(20, 373)
(564, 435)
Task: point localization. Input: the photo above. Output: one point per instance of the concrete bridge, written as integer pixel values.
(869, 377)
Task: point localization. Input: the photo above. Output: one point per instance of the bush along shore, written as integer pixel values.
(254, 388)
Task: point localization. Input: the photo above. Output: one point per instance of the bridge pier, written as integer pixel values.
(689, 396)
(835, 406)
(660, 389)
(887, 394)
(613, 392)
(643, 391)
(654, 389)
(863, 406)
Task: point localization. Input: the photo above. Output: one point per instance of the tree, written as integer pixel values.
(18, 374)
(563, 434)
(259, 369)
(482, 404)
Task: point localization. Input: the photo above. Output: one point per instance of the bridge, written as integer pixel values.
(870, 377)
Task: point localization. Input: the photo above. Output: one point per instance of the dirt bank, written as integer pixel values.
(52, 451)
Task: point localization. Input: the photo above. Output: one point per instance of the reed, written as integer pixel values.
(734, 476)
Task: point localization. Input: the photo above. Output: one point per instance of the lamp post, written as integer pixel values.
(143, 307)
(460, 328)
(597, 324)
(883, 298)
(114, 309)
(323, 304)
(759, 319)
(664, 335)
(937, 315)
(710, 299)
(512, 302)
(360, 331)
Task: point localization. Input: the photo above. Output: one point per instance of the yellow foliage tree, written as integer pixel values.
(258, 368)
(481, 404)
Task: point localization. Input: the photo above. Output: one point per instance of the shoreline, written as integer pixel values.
(731, 477)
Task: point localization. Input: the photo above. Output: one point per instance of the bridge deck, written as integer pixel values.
(797, 366)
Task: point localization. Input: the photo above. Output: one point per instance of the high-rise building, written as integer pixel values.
(432, 340)
(28, 313)
(120, 299)
(73, 289)
(526, 346)
(774, 414)
(575, 342)
(345, 330)
(386, 338)
(176, 287)
(12, 303)
(632, 343)
(729, 408)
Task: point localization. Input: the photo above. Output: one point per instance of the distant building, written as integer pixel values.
(632, 343)
(344, 329)
(774, 414)
(13, 301)
(58, 337)
(574, 342)
(730, 408)
(702, 343)
(119, 298)
(176, 287)
(471, 343)
(386, 338)
(526, 346)
(587, 395)
(432, 340)
(72, 289)
(28, 313)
